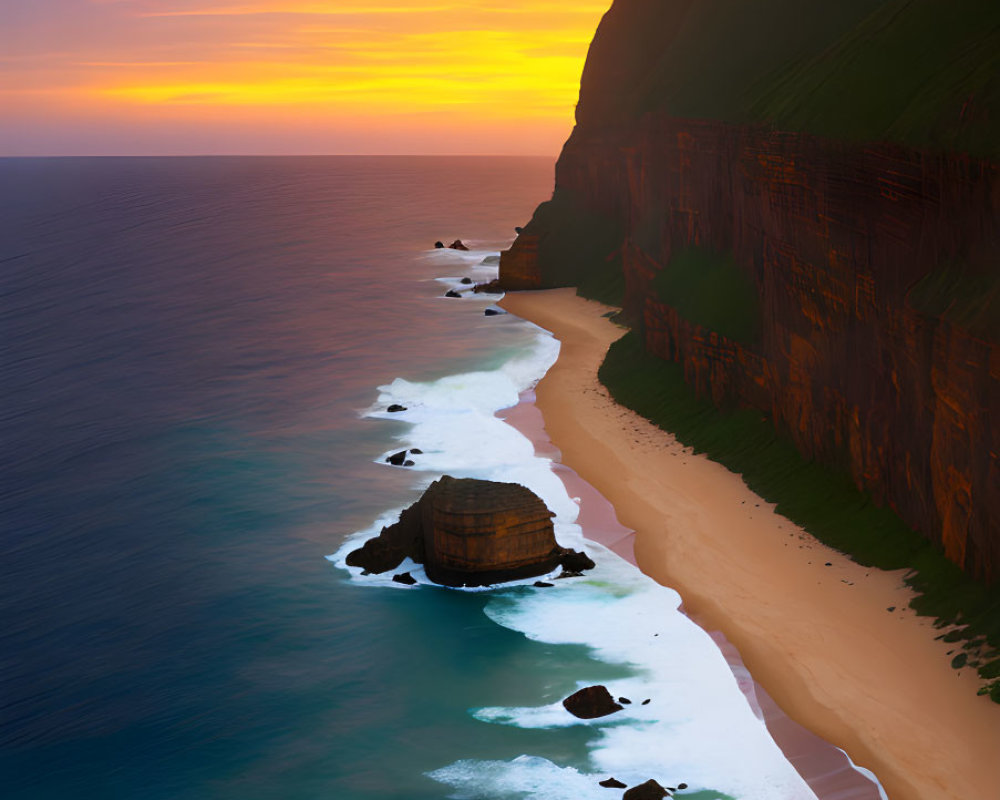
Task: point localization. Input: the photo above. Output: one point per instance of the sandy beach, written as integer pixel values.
(834, 643)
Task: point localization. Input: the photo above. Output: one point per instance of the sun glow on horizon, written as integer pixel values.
(488, 78)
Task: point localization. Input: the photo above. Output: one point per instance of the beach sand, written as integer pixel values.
(812, 626)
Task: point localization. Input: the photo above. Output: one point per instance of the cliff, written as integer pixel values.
(801, 206)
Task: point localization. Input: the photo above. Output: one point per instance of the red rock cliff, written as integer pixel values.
(872, 355)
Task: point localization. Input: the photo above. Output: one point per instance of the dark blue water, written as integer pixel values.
(185, 345)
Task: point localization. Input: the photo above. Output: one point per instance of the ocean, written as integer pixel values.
(196, 357)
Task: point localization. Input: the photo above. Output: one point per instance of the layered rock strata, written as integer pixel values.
(873, 280)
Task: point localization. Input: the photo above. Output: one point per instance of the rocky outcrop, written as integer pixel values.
(591, 702)
(650, 790)
(470, 532)
(872, 272)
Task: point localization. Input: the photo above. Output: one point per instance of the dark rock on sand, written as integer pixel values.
(466, 280)
(624, 701)
(397, 459)
(494, 312)
(457, 245)
(645, 702)
(404, 578)
(416, 451)
(575, 561)
(612, 783)
(395, 407)
(518, 229)
(438, 245)
(452, 293)
(543, 584)
(408, 463)
(591, 702)
(650, 790)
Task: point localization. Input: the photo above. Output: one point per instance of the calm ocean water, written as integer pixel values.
(194, 359)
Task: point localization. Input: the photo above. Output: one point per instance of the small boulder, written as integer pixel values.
(397, 459)
(591, 702)
(543, 584)
(466, 280)
(568, 574)
(407, 463)
(395, 407)
(575, 561)
(458, 245)
(416, 451)
(624, 701)
(645, 702)
(518, 229)
(452, 293)
(612, 783)
(494, 312)
(438, 245)
(405, 578)
(650, 790)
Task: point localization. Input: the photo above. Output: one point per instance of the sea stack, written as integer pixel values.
(469, 532)
(481, 532)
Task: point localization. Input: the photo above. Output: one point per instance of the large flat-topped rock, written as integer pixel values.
(470, 532)
(479, 532)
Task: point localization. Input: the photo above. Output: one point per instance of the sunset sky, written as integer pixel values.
(299, 76)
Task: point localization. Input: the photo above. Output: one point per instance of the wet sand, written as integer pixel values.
(812, 626)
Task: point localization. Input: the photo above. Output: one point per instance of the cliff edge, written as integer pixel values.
(799, 203)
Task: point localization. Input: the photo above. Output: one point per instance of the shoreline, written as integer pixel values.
(812, 626)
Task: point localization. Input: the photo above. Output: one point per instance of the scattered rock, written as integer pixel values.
(575, 561)
(466, 280)
(624, 701)
(612, 783)
(645, 702)
(491, 312)
(438, 245)
(518, 229)
(457, 245)
(395, 407)
(404, 539)
(568, 574)
(416, 451)
(650, 790)
(397, 459)
(890, 609)
(828, 564)
(404, 578)
(408, 463)
(543, 584)
(682, 786)
(591, 702)
(452, 293)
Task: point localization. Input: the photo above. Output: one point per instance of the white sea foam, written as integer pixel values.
(698, 727)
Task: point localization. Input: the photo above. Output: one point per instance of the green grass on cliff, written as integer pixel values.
(925, 73)
(822, 500)
(709, 289)
(579, 247)
(921, 72)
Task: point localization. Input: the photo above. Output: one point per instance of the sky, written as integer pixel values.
(181, 77)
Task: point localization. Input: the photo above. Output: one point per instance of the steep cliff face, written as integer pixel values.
(871, 269)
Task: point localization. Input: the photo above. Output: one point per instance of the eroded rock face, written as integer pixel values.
(591, 702)
(871, 356)
(470, 532)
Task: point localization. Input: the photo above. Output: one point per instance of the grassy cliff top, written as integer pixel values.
(920, 72)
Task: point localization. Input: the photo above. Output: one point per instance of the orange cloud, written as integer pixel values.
(324, 63)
